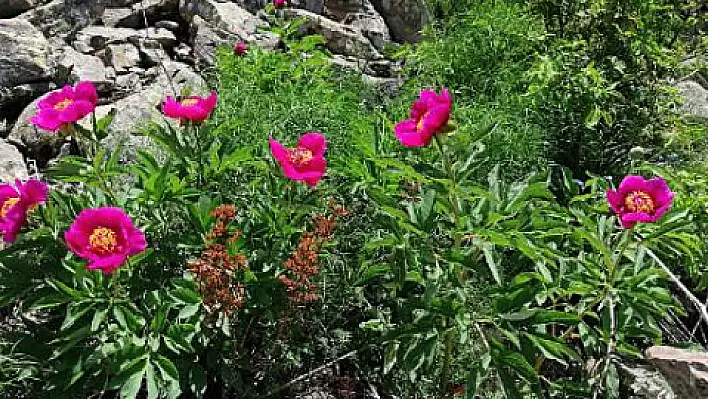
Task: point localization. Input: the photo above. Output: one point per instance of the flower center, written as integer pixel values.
(103, 241)
(7, 205)
(300, 156)
(419, 126)
(63, 104)
(639, 201)
(189, 102)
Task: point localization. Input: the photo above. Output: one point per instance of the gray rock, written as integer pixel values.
(17, 97)
(82, 67)
(123, 57)
(381, 68)
(339, 38)
(12, 8)
(169, 25)
(685, 371)
(695, 99)
(644, 382)
(152, 52)
(163, 36)
(405, 18)
(24, 53)
(123, 17)
(59, 18)
(360, 14)
(229, 17)
(12, 164)
(98, 37)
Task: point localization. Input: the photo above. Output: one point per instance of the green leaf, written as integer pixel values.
(542, 316)
(168, 371)
(489, 257)
(98, 318)
(477, 375)
(130, 388)
(390, 356)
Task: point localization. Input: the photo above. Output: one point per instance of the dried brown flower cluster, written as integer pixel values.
(216, 269)
(303, 265)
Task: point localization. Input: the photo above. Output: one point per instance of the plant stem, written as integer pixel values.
(449, 345)
(452, 197)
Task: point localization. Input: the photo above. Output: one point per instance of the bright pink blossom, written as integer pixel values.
(638, 200)
(429, 116)
(106, 237)
(280, 4)
(16, 202)
(305, 162)
(65, 106)
(241, 48)
(193, 109)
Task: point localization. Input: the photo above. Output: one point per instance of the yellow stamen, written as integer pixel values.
(300, 156)
(103, 241)
(189, 102)
(639, 201)
(63, 104)
(419, 126)
(7, 205)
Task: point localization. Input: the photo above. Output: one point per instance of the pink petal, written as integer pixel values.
(632, 183)
(315, 142)
(408, 134)
(280, 153)
(107, 264)
(615, 201)
(435, 119)
(171, 108)
(86, 91)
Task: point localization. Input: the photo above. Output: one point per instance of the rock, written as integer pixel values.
(12, 164)
(24, 53)
(80, 67)
(642, 381)
(161, 35)
(169, 25)
(13, 8)
(379, 68)
(405, 18)
(229, 17)
(122, 17)
(339, 38)
(14, 99)
(98, 37)
(139, 109)
(123, 57)
(360, 14)
(685, 371)
(59, 18)
(695, 99)
(151, 52)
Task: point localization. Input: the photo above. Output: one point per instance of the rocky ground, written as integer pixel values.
(133, 49)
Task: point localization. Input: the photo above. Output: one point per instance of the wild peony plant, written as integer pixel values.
(241, 48)
(15, 202)
(106, 237)
(63, 108)
(638, 200)
(306, 162)
(193, 109)
(429, 116)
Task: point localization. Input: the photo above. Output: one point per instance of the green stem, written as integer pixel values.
(452, 197)
(449, 345)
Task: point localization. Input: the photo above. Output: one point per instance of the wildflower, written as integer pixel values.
(241, 48)
(216, 269)
(429, 116)
(305, 162)
(640, 200)
(106, 237)
(280, 4)
(193, 109)
(15, 202)
(64, 107)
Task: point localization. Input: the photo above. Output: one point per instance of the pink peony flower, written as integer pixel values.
(280, 4)
(429, 115)
(640, 200)
(15, 203)
(305, 162)
(65, 106)
(106, 237)
(241, 48)
(194, 109)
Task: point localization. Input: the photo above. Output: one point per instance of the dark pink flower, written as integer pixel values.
(193, 109)
(15, 203)
(106, 237)
(241, 48)
(429, 116)
(65, 106)
(305, 162)
(638, 200)
(280, 4)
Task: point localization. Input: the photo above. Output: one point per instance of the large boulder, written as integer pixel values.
(24, 53)
(37, 144)
(76, 67)
(686, 371)
(405, 18)
(695, 99)
(339, 38)
(12, 165)
(61, 18)
(360, 14)
(12, 8)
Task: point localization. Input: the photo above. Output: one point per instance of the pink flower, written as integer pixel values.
(106, 237)
(305, 162)
(65, 106)
(429, 115)
(640, 200)
(16, 202)
(280, 4)
(241, 48)
(195, 109)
